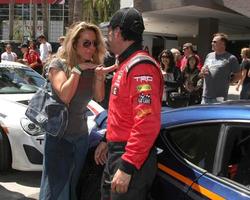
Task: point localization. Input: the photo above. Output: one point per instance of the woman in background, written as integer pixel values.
(192, 82)
(171, 75)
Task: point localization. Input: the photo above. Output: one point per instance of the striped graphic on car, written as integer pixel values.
(187, 181)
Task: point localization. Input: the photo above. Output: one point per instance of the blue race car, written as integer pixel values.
(203, 152)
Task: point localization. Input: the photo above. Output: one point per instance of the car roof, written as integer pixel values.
(11, 64)
(227, 111)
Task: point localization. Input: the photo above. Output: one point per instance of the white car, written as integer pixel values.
(21, 141)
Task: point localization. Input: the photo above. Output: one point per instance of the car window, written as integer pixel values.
(238, 149)
(196, 143)
(19, 80)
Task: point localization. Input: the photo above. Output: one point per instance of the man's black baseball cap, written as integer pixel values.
(128, 19)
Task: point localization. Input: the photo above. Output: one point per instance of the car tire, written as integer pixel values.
(5, 152)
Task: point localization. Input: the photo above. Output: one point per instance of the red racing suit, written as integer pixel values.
(134, 109)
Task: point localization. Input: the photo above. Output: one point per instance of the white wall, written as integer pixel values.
(169, 44)
(148, 42)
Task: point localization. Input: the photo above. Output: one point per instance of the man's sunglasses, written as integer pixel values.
(88, 43)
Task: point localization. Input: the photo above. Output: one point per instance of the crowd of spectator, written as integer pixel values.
(189, 81)
(30, 54)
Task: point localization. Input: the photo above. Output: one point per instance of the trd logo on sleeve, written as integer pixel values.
(142, 78)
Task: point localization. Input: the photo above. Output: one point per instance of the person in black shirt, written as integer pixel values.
(171, 75)
(109, 60)
(245, 74)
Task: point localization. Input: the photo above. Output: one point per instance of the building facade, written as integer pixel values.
(197, 20)
(27, 15)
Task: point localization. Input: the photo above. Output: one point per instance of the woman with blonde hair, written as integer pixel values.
(245, 74)
(76, 77)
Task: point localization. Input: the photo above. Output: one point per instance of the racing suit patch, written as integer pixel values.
(144, 112)
(143, 88)
(115, 90)
(144, 99)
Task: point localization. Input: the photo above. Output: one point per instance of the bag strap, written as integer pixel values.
(46, 85)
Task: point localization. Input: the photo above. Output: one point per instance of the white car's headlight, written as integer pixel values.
(31, 128)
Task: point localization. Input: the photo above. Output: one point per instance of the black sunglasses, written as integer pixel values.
(165, 56)
(88, 43)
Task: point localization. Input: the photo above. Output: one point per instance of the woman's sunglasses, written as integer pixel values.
(88, 43)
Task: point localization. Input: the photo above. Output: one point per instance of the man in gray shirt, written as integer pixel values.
(219, 70)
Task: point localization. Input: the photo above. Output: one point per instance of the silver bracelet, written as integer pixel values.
(74, 69)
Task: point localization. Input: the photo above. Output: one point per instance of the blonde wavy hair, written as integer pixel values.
(68, 52)
(246, 51)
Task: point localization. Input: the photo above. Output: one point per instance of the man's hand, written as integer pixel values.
(120, 182)
(101, 153)
(110, 68)
(204, 71)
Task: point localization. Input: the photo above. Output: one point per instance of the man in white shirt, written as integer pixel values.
(45, 48)
(8, 54)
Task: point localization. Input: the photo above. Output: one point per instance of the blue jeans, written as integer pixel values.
(245, 91)
(62, 165)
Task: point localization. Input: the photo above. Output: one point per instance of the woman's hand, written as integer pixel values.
(87, 65)
(100, 71)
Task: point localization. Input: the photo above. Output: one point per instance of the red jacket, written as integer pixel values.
(134, 109)
(183, 62)
(33, 59)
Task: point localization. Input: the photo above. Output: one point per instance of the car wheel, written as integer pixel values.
(5, 152)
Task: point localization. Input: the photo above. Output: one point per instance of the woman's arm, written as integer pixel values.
(99, 86)
(243, 75)
(64, 88)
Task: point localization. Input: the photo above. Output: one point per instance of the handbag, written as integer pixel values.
(48, 112)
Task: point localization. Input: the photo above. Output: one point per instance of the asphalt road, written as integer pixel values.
(17, 185)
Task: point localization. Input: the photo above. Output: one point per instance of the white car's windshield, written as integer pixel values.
(17, 80)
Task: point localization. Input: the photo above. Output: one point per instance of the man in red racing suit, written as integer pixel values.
(133, 115)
